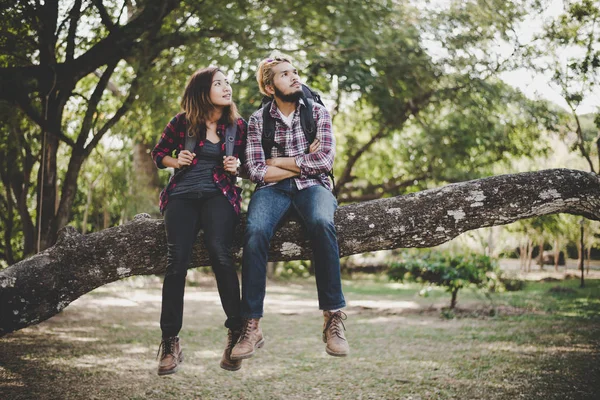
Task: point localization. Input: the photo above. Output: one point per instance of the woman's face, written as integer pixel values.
(220, 90)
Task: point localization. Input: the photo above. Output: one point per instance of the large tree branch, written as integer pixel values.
(86, 125)
(353, 158)
(104, 16)
(580, 138)
(37, 288)
(25, 104)
(116, 46)
(74, 16)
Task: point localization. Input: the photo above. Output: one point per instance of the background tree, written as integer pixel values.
(453, 272)
(414, 92)
(570, 47)
(59, 60)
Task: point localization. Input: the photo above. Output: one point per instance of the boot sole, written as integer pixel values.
(228, 368)
(332, 353)
(258, 345)
(172, 371)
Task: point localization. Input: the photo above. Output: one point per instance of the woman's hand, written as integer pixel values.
(230, 164)
(185, 158)
(314, 146)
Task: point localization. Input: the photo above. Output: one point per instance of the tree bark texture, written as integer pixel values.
(39, 287)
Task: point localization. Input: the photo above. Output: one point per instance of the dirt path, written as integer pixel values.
(103, 346)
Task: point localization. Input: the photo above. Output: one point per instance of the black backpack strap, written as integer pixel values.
(268, 132)
(230, 132)
(307, 120)
(189, 144)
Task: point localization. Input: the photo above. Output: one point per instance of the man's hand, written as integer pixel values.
(272, 162)
(314, 146)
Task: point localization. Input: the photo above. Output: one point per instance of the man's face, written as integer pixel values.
(286, 82)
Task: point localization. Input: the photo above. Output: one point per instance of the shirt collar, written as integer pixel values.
(275, 114)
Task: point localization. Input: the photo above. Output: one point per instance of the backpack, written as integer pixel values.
(191, 141)
(307, 120)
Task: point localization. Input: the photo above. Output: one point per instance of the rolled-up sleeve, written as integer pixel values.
(255, 156)
(166, 144)
(321, 161)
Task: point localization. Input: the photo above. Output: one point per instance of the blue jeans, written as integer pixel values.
(268, 206)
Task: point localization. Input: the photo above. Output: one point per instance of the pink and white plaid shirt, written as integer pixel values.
(313, 166)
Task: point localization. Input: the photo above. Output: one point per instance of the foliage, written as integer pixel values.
(291, 269)
(513, 284)
(570, 47)
(454, 272)
(414, 93)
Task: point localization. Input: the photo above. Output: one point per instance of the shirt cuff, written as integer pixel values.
(259, 175)
(159, 163)
(299, 159)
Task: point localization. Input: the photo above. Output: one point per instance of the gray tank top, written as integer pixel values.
(199, 180)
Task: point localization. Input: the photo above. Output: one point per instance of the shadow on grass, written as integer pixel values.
(104, 347)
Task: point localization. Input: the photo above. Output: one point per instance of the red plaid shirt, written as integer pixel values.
(172, 141)
(313, 166)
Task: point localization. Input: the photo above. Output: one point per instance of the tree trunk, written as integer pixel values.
(47, 180)
(88, 203)
(69, 190)
(556, 255)
(453, 301)
(8, 229)
(541, 255)
(37, 288)
(581, 256)
(145, 183)
(529, 254)
(522, 255)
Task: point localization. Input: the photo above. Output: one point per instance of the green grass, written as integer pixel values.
(539, 344)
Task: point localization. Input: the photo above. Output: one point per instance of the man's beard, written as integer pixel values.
(288, 98)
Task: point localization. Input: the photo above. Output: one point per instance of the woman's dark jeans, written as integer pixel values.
(185, 215)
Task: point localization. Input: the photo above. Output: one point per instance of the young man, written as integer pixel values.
(293, 179)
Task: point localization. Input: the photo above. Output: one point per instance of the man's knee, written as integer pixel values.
(257, 230)
(320, 222)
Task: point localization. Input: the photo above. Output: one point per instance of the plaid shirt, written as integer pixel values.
(313, 166)
(172, 141)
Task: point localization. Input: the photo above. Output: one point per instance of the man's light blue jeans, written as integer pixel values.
(268, 206)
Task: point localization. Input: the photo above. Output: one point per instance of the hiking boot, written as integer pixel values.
(226, 361)
(251, 339)
(170, 357)
(333, 334)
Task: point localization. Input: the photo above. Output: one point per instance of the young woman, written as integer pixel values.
(202, 194)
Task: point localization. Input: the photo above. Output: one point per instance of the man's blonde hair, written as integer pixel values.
(264, 72)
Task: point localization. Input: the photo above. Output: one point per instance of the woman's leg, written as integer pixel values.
(218, 222)
(182, 224)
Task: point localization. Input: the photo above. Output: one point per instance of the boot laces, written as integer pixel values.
(246, 330)
(232, 338)
(335, 321)
(167, 346)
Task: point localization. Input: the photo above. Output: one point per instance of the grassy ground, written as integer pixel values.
(541, 343)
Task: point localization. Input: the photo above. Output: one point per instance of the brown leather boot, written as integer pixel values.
(226, 361)
(170, 357)
(333, 334)
(250, 340)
